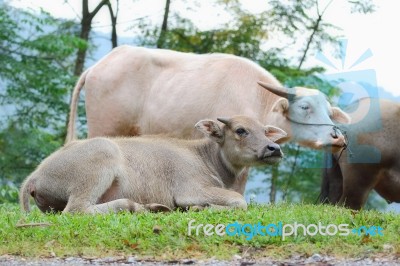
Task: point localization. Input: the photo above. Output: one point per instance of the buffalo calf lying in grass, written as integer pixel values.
(153, 173)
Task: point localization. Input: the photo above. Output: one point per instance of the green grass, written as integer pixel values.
(133, 234)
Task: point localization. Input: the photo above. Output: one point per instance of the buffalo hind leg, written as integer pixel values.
(86, 196)
(389, 185)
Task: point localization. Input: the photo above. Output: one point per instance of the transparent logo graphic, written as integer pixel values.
(356, 85)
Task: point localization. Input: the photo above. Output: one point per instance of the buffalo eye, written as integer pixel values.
(305, 107)
(241, 132)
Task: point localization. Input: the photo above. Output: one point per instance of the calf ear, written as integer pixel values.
(281, 106)
(339, 116)
(274, 133)
(211, 129)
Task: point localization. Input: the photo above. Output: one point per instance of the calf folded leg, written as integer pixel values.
(211, 196)
(112, 206)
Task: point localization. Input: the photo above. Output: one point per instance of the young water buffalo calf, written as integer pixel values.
(112, 174)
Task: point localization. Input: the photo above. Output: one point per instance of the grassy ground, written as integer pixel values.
(165, 235)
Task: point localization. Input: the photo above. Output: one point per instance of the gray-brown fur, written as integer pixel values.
(374, 163)
(150, 172)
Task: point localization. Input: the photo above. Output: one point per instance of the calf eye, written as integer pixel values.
(305, 107)
(241, 132)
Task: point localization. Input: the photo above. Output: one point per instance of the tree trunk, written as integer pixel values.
(86, 27)
(84, 35)
(310, 40)
(291, 176)
(113, 17)
(164, 26)
(274, 180)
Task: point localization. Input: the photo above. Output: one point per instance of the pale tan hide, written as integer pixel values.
(374, 164)
(152, 172)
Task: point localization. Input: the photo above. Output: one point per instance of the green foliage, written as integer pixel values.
(134, 235)
(362, 6)
(37, 55)
(8, 193)
(246, 34)
(298, 177)
(242, 36)
(22, 149)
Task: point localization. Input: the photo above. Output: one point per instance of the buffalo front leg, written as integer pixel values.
(240, 183)
(214, 197)
(332, 185)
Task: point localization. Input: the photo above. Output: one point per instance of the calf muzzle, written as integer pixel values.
(272, 150)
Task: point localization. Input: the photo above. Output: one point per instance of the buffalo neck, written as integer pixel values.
(217, 163)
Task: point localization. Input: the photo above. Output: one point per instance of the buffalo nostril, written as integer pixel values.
(273, 147)
(334, 135)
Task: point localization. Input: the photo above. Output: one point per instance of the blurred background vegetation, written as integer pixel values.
(42, 56)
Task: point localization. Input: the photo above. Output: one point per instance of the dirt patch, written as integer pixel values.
(315, 259)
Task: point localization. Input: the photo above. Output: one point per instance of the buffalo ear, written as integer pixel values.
(281, 106)
(211, 129)
(339, 116)
(274, 133)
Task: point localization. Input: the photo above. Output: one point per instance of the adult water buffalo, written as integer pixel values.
(136, 91)
(373, 162)
(153, 172)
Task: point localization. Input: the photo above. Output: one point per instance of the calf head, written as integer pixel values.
(308, 117)
(243, 141)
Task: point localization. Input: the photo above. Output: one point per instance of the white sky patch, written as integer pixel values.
(377, 31)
